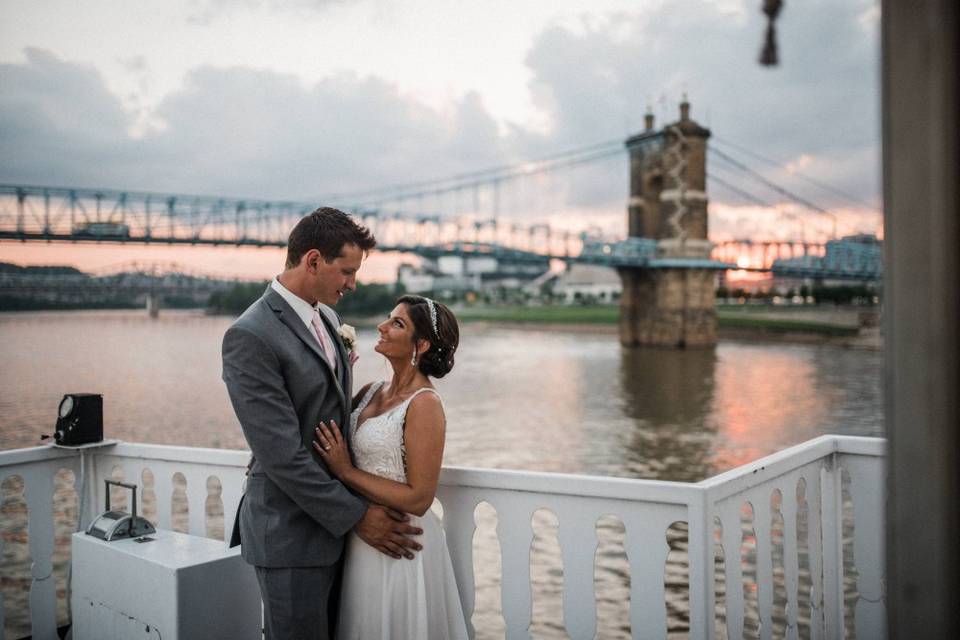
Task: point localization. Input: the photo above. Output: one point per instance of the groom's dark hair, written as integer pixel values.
(326, 230)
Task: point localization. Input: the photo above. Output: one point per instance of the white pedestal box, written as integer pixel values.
(176, 587)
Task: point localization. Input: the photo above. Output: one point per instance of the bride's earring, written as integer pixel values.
(413, 360)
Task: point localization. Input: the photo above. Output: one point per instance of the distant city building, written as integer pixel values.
(844, 259)
(427, 278)
(588, 282)
(455, 273)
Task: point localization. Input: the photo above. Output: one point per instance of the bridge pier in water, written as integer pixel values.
(668, 307)
(153, 305)
(671, 301)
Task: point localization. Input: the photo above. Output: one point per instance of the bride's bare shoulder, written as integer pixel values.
(426, 408)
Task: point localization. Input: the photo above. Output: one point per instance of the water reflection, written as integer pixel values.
(669, 395)
(574, 402)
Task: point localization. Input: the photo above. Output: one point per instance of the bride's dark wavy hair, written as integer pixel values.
(438, 359)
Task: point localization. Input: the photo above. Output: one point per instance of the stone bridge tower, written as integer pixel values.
(672, 305)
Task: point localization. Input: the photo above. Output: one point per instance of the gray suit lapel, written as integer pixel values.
(290, 318)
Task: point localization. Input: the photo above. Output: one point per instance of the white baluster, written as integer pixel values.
(733, 566)
(645, 543)
(196, 500)
(144, 492)
(762, 525)
(577, 534)
(163, 489)
(38, 490)
(460, 527)
(133, 474)
(179, 500)
(515, 532)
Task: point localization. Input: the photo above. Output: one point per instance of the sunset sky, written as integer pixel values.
(301, 98)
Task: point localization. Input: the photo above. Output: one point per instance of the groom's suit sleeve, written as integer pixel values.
(252, 373)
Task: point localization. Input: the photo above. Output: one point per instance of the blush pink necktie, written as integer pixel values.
(324, 339)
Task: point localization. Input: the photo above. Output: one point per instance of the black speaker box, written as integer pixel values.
(80, 419)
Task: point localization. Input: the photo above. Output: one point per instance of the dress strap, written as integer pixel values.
(368, 396)
(421, 390)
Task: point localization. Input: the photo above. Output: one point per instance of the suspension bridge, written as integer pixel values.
(83, 215)
(469, 215)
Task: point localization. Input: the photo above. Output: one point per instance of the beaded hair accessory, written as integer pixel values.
(433, 316)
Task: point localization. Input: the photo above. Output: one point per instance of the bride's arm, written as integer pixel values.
(423, 437)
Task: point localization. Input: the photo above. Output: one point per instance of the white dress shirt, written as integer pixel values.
(305, 311)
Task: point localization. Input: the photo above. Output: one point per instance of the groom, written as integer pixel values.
(286, 370)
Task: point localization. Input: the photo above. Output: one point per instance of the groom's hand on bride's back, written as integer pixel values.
(388, 532)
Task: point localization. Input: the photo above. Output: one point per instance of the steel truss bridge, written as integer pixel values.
(62, 214)
(158, 279)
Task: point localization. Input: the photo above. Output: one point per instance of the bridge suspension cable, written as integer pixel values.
(774, 186)
(713, 177)
(780, 165)
(456, 182)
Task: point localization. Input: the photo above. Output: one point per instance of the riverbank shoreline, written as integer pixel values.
(834, 326)
(869, 340)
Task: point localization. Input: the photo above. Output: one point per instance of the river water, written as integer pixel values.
(603, 409)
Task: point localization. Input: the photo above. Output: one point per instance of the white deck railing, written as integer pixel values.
(804, 485)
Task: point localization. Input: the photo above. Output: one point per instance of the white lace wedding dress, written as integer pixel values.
(384, 598)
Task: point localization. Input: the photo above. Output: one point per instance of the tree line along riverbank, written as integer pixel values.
(826, 320)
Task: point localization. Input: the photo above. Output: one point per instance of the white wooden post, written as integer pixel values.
(791, 558)
(831, 509)
(762, 526)
(701, 567)
(733, 566)
(866, 487)
(38, 491)
(460, 527)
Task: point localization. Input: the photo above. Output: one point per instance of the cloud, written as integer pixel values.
(235, 131)
(822, 101)
(59, 123)
(206, 12)
(248, 132)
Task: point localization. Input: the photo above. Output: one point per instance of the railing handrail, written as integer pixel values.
(177, 453)
(568, 484)
(773, 464)
(782, 462)
(34, 454)
(584, 485)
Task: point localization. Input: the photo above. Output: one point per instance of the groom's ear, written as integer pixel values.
(311, 260)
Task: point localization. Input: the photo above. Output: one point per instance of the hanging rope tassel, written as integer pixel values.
(768, 56)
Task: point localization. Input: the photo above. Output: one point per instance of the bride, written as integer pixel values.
(396, 434)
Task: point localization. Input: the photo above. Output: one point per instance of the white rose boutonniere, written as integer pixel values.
(348, 335)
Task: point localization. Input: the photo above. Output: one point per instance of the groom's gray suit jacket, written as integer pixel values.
(293, 513)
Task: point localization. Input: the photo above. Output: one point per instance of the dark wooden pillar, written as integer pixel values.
(921, 176)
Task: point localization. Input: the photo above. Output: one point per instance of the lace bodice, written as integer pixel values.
(377, 445)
